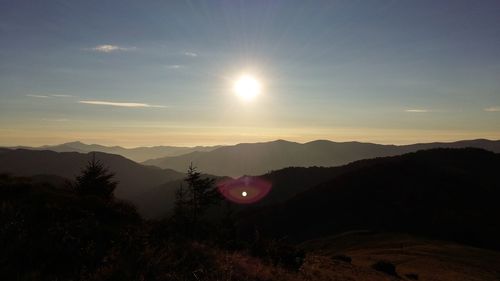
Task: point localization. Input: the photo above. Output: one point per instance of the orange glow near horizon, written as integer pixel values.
(226, 136)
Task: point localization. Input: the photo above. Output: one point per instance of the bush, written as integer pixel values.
(278, 253)
(412, 276)
(385, 267)
(342, 258)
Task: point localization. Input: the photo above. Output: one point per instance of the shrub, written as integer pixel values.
(385, 267)
(342, 258)
(279, 253)
(412, 276)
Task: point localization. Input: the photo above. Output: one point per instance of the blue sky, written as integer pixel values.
(161, 72)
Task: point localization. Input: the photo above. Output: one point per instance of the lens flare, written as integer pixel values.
(245, 190)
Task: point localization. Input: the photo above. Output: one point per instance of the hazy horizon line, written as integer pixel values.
(237, 143)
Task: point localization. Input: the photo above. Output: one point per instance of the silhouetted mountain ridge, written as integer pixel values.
(260, 158)
(137, 154)
(449, 194)
(159, 201)
(133, 178)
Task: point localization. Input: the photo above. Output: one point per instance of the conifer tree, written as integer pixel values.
(96, 180)
(193, 201)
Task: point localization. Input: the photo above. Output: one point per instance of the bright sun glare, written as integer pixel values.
(247, 87)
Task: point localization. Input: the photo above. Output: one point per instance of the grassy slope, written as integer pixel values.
(430, 259)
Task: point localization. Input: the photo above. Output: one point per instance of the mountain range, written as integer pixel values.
(260, 158)
(138, 154)
(152, 189)
(448, 194)
(133, 178)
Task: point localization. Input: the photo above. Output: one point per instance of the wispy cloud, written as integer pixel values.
(62, 96)
(38, 96)
(120, 104)
(190, 54)
(110, 48)
(47, 96)
(417, 110)
(493, 109)
(174, 66)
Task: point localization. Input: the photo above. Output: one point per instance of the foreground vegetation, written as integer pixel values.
(81, 232)
(51, 230)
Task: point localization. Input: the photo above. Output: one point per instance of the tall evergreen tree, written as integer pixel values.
(193, 201)
(96, 180)
(201, 193)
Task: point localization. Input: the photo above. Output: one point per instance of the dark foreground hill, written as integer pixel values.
(449, 194)
(286, 183)
(261, 158)
(133, 178)
(52, 233)
(158, 202)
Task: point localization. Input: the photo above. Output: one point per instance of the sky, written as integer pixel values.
(143, 73)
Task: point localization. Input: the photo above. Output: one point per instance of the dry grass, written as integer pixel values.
(240, 267)
(414, 259)
(430, 260)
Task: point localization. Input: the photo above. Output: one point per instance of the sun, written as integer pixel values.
(247, 87)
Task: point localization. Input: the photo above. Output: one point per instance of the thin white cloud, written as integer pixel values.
(120, 104)
(62, 96)
(38, 96)
(190, 54)
(416, 110)
(493, 109)
(175, 66)
(110, 48)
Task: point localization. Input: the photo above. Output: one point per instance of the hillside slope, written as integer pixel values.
(138, 154)
(286, 183)
(133, 178)
(414, 258)
(260, 158)
(449, 194)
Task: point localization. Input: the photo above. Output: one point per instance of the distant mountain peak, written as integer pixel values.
(259, 158)
(72, 143)
(282, 141)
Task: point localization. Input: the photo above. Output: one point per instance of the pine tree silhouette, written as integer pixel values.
(193, 201)
(96, 180)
